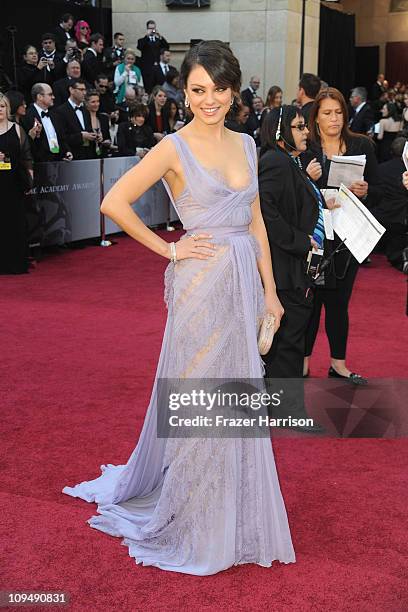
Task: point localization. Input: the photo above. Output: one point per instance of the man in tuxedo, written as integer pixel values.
(161, 70)
(92, 64)
(49, 143)
(64, 31)
(150, 46)
(61, 87)
(114, 55)
(52, 56)
(378, 88)
(76, 121)
(107, 103)
(248, 94)
(309, 87)
(362, 116)
(254, 119)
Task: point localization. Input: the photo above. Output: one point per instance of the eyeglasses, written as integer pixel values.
(103, 87)
(299, 126)
(84, 28)
(80, 88)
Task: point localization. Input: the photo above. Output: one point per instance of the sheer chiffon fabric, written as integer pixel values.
(199, 506)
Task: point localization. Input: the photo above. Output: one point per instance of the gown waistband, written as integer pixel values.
(220, 231)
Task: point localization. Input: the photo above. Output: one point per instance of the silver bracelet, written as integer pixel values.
(173, 254)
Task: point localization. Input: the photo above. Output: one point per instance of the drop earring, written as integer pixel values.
(186, 103)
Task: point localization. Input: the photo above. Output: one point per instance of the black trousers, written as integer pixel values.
(335, 303)
(285, 359)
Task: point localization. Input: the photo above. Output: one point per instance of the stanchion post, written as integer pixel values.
(103, 242)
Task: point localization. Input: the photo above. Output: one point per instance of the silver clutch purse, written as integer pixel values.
(266, 333)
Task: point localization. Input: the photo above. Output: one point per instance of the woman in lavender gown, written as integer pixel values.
(201, 505)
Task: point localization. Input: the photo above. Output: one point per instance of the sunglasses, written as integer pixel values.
(299, 126)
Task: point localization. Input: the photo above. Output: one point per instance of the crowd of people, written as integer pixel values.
(73, 92)
(76, 98)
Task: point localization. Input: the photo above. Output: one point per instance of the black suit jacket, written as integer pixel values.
(376, 91)
(27, 76)
(393, 205)
(92, 65)
(53, 74)
(363, 121)
(253, 124)
(247, 96)
(158, 75)
(130, 137)
(39, 146)
(112, 54)
(61, 38)
(151, 50)
(290, 210)
(72, 129)
(61, 91)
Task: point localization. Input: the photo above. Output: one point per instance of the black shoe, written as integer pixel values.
(354, 378)
(307, 374)
(316, 428)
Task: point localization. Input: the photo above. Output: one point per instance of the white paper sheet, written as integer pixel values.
(345, 169)
(405, 155)
(354, 223)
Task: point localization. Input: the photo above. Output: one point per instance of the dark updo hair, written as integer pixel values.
(393, 111)
(217, 59)
(138, 110)
(91, 93)
(270, 126)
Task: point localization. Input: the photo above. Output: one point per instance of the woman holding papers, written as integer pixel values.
(330, 136)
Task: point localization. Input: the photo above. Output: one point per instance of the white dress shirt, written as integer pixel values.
(164, 67)
(49, 129)
(78, 113)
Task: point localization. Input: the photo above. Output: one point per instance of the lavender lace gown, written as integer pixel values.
(199, 506)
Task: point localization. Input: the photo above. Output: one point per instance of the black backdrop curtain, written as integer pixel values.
(337, 49)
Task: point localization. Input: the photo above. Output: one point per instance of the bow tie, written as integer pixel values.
(77, 108)
(44, 114)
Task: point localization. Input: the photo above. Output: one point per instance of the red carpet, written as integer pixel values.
(80, 340)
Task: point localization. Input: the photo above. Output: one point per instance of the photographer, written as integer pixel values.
(71, 53)
(30, 72)
(150, 47)
(53, 58)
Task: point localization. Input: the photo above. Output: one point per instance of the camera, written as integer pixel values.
(74, 53)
